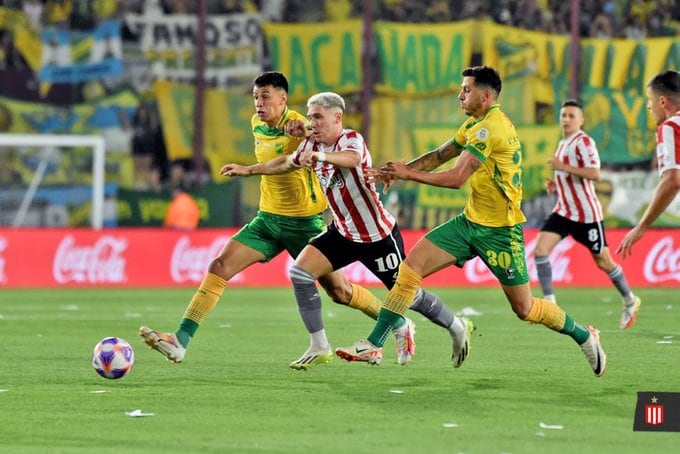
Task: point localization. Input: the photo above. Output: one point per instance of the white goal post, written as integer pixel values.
(96, 143)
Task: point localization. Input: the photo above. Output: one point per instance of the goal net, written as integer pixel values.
(38, 179)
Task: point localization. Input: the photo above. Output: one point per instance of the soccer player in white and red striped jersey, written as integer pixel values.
(578, 212)
(663, 93)
(362, 229)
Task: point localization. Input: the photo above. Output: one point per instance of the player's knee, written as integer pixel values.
(300, 276)
(604, 263)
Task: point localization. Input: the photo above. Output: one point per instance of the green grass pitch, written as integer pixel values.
(235, 393)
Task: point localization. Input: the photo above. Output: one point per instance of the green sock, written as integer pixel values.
(187, 329)
(387, 321)
(576, 331)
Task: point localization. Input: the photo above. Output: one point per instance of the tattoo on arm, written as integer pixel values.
(433, 159)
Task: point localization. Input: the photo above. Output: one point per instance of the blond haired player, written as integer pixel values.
(289, 216)
(362, 229)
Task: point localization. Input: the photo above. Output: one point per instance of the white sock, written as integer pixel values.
(318, 339)
(550, 298)
(457, 328)
(629, 299)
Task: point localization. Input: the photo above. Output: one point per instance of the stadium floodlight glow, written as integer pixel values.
(96, 143)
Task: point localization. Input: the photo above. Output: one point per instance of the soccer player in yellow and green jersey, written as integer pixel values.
(489, 158)
(298, 193)
(289, 216)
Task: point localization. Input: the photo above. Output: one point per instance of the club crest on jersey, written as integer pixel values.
(510, 273)
(334, 181)
(482, 134)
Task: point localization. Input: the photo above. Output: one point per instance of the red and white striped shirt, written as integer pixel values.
(576, 198)
(668, 144)
(357, 211)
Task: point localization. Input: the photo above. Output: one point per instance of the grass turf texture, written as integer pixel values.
(235, 392)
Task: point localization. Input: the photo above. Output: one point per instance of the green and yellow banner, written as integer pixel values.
(317, 57)
(418, 60)
(227, 136)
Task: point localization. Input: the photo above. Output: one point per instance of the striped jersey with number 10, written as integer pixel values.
(297, 193)
(576, 198)
(357, 211)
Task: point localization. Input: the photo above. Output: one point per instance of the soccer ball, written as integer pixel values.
(113, 357)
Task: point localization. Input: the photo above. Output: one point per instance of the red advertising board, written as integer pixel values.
(160, 258)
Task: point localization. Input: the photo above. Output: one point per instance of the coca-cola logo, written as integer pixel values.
(476, 270)
(98, 263)
(663, 261)
(3, 246)
(189, 262)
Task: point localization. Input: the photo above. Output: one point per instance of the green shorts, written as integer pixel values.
(271, 234)
(501, 248)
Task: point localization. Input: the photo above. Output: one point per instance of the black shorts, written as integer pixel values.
(590, 235)
(381, 258)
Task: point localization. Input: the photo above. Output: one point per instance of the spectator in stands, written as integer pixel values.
(34, 11)
(58, 12)
(183, 211)
(601, 27)
(144, 146)
(83, 16)
(272, 10)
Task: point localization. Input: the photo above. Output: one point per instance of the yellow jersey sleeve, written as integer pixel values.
(297, 193)
(496, 187)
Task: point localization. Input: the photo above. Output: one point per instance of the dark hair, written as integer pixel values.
(273, 78)
(572, 103)
(485, 76)
(666, 83)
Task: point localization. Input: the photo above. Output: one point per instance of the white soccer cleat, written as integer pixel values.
(629, 313)
(362, 350)
(595, 355)
(166, 343)
(461, 344)
(312, 357)
(404, 337)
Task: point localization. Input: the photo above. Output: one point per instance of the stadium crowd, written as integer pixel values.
(631, 19)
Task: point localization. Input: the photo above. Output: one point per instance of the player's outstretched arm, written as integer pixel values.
(276, 166)
(434, 158)
(346, 159)
(454, 178)
(663, 196)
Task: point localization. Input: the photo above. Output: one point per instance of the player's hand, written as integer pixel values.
(306, 158)
(550, 186)
(374, 175)
(296, 128)
(555, 163)
(626, 246)
(235, 170)
(395, 169)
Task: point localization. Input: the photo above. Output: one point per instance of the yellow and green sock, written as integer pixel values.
(552, 316)
(203, 301)
(398, 300)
